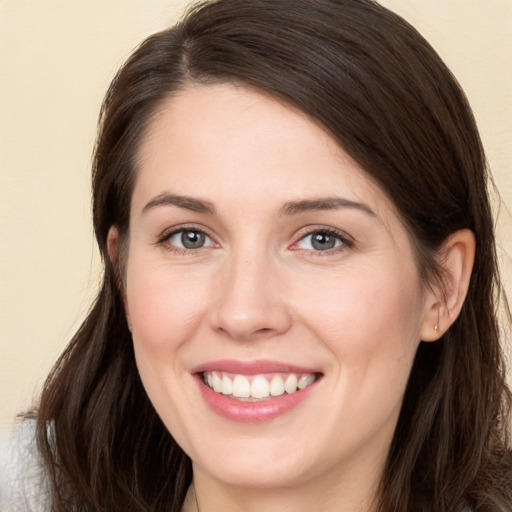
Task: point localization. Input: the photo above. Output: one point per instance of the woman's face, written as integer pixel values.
(264, 263)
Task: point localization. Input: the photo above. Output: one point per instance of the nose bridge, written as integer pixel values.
(250, 303)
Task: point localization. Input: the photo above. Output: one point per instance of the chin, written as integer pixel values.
(262, 463)
(265, 474)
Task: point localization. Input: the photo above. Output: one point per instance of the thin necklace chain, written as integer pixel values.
(195, 497)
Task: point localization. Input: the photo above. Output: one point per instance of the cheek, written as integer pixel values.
(368, 319)
(163, 306)
(165, 310)
(370, 323)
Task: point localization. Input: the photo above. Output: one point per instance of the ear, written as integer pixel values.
(445, 299)
(113, 244)
(113, 248)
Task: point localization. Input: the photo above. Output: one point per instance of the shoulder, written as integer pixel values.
(23, 480)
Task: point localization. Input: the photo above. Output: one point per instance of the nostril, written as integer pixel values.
(248, 334)
(243, 314)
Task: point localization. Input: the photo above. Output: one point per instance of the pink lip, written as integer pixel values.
(251, 412)
(250, 367)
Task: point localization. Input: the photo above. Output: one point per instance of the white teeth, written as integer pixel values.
(241, 387)
(290, 385)
(306, 380)
(258, 386)
(276, 386)
(227, 385)
(217, 383)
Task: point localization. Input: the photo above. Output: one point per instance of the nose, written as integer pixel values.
(251, 300)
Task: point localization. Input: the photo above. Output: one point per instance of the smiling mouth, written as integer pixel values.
(253, 388)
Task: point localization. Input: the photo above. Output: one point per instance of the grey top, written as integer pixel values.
(23, 482)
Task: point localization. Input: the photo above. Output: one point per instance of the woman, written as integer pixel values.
(298, 305)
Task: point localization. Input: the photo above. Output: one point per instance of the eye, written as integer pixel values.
(322, 240)
(189, 239)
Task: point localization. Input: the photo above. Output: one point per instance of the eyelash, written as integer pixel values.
(346, 242)
(343, 238)
(166, 236)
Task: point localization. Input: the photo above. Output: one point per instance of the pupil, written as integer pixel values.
(323, 241)
(192, 239)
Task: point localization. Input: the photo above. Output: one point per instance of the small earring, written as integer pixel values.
(436, 327)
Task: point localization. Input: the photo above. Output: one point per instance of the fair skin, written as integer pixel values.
(292, 255)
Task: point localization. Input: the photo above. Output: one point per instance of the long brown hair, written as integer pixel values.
(384, 95)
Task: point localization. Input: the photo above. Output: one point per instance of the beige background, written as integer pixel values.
(56, 60)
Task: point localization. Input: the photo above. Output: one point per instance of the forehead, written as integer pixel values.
(230, 144)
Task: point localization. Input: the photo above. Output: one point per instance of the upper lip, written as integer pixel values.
(253, 367)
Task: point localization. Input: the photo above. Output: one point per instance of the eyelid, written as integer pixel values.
(163, 238)
(347, 240)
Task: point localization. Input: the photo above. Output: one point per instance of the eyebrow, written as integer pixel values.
(186, 202)
(289, 208)
(323, 203)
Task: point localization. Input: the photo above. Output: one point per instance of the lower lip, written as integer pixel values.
(252, 412)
